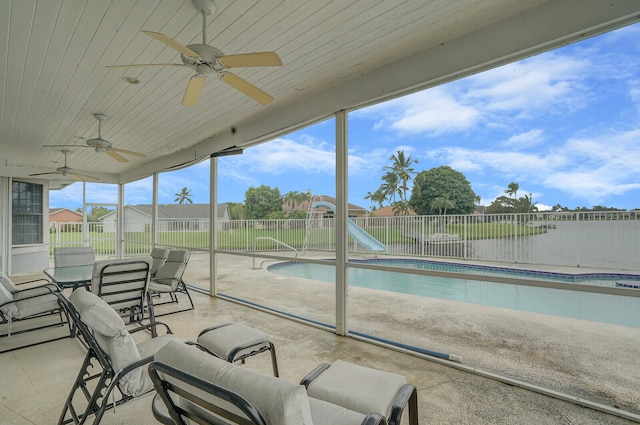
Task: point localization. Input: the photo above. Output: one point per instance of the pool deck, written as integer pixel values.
(583, 359)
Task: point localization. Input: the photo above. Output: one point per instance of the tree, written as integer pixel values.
(236, 210)
(512, 190)
(391, 186)
(262, 202)
(183, 196)
(526, 204)
(443, 182)
(376, 198)
(402, 168)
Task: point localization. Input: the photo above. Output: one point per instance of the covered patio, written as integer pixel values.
(337, 57)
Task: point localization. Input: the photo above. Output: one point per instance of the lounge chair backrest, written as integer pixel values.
(122, 283)
(278, 401)
(7, 305)
(108, 329)
(74, 256)
(159, 256)
(172, 270)
(18, 304)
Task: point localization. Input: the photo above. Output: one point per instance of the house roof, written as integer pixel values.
(181, 211)
(304, 206)
(387, 212)
(53, 211)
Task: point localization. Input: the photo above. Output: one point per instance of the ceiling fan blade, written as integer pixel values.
(246, 88)
(43, 174)
(144, 65)
(138, 154)
(193, 92)
(65, 146)
(84, 177)
(172, 43)
(251, 59)
(116, 156)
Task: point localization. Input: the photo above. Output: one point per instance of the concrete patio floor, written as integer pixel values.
(34, 382)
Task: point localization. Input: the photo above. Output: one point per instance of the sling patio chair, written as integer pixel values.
(114, 369)
(74, 256)
(168, 280)
(123, 284)
(25, 311)
(158, 256)
(194, 387)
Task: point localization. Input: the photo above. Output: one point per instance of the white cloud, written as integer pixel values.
(532, 84)
(525, 140)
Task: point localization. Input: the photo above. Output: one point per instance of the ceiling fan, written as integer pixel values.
(68, 172)
(101, 145)
(206, 59)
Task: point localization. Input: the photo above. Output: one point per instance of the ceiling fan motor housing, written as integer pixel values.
(208, 55)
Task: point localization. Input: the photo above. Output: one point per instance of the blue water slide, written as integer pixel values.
(356, 232)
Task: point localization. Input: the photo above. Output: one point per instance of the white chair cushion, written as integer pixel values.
(278, 401)
(358, 388)
(8, 308)
(97, 314)
(7, 283)
(74, 256)
(167, 277)
(43, 301)
(324, 412)
(113, 338)
(224, 339)
(159, 256)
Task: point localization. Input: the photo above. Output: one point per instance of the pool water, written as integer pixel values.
(606, 308)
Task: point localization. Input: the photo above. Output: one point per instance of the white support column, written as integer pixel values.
(85, 233)
(120, 224)
(213, 223)
(5, 224)
(341, 222)
(154, 211)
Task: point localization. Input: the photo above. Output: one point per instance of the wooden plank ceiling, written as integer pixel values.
(54, 53)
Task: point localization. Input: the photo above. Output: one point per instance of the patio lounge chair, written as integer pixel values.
(27, 310)
(113, 359)
(158, 256)
(123, 285)
(168, 280)
(74, 256)
(193, 386)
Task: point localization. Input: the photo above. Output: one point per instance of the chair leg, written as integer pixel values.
(181, 288)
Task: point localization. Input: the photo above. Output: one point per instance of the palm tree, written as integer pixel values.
(183, 196)
(391, 186)
(512, 190)
(402, 168)
(376, 198)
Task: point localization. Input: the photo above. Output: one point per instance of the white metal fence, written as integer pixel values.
(607, 240)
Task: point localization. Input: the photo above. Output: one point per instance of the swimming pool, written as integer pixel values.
(606, 308)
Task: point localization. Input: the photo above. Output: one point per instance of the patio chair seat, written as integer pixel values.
(168, 280)
(363, 389)
(30, 308)
(235, 342)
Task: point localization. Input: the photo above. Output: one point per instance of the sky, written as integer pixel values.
(564, 125)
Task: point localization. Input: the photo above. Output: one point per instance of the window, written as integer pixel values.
(26, 213)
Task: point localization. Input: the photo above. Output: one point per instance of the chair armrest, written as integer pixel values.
(407, 393)
(32, 281)
(36, 291)
(152, 327)
(374, 419)
(314, 374)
